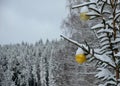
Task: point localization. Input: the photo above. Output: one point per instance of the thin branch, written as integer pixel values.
(81, 5)
(72, 41)
(104, 62)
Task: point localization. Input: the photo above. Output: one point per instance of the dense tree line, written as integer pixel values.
(29, 64)
(42, 64)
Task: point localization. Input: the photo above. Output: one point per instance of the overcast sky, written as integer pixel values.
(30, 20)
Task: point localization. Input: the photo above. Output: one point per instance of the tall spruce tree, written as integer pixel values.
(107, 31)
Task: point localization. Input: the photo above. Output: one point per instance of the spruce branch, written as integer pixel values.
(81, 46)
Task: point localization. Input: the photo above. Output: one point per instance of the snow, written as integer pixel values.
(105, 58)
(106, 11)
(70, 40)
(109, 22)
(104, 39)
(116, 40)
(84, 4)
(108, 52)
(93, 8)
(98, 26)
(103, 73)
(117, 11)
(79, 51)
(102, 35)
(110, 82)
(92, 13)
(93, 0)
(108, 1)
(117, 26)
(117, 16)
(101, 85)
(118, 1)
(84, 9)
(105, 47)
(105, 31)
(117, 55)
(105, 43)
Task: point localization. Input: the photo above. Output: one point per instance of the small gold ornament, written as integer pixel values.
(84, 16)
(80, 58)
(83, 13)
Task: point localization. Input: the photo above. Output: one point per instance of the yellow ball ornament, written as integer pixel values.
(83, 13)
(84, 16)
(80, 58)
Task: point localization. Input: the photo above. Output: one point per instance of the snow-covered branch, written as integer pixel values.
(84, 4)
(101, 58)
(72, 41)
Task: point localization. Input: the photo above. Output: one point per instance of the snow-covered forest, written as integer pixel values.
(43, 64)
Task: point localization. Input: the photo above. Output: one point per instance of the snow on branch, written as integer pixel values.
(72, 41)
(104, 58)
(84, 4)
(117, 16)
(101, 58)
(93, 14)
(104, 74)
(97, 26)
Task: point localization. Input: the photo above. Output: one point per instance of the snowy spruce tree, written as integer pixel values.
(107, 31)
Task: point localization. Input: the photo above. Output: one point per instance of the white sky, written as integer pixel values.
(30, 20)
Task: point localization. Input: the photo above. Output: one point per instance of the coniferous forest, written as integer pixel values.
(43, 64)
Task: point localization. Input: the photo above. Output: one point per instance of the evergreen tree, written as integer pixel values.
(107, 13)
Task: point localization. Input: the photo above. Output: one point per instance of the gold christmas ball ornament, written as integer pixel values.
(83, 13)
(84, 16)
(80, 58)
